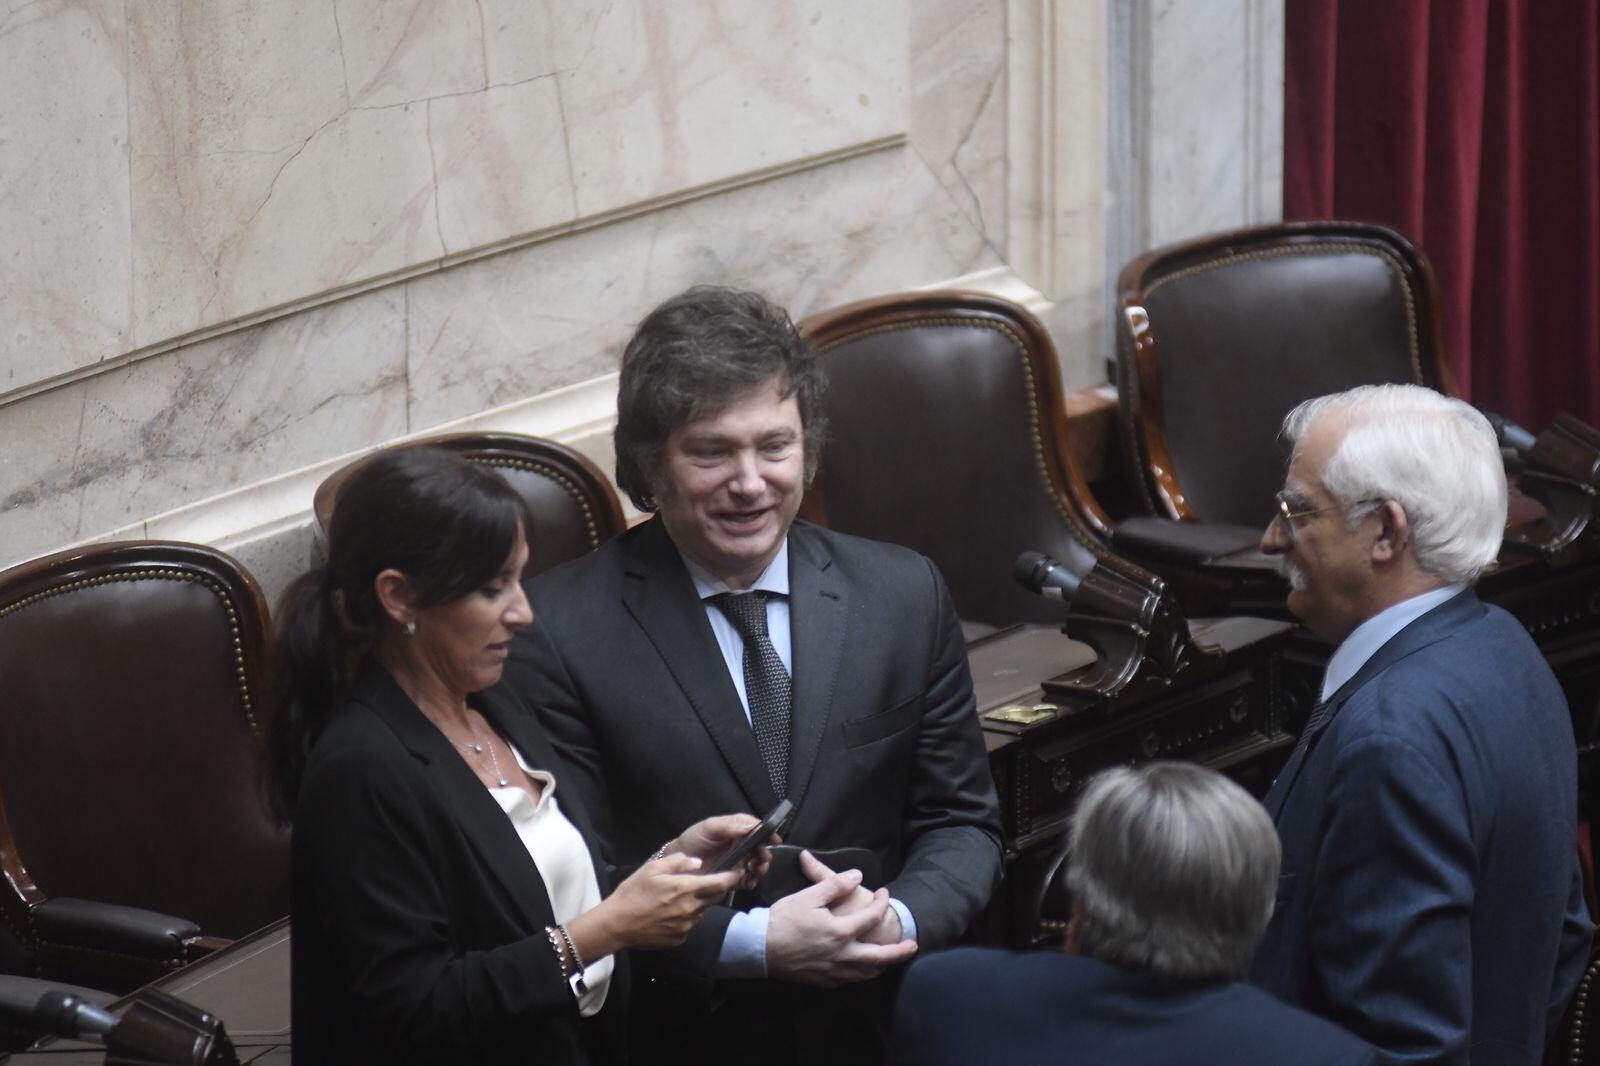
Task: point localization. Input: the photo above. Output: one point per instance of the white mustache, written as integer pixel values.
(1292, 574)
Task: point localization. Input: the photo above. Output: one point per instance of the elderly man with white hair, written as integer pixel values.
(1430, 900)
(1172, 871)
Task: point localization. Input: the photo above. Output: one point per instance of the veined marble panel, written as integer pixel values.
(533, 38)
(274, 557)
(1214, 113)
(1196, 56)
(227, 412)
(958, 104)
(254, 183)
(222, 97)
(500, 163)
(516, 325)
(667, 97)
(39, 513)
(64, 256)
(285, 151)
(400, 51)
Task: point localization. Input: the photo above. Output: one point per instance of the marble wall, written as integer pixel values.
(240, 241)
(1195, 100)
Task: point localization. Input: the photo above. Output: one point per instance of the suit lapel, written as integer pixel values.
(817, 620)
(1429, 629)
(662, 600)
(481, 821)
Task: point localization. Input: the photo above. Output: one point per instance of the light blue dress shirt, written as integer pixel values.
(744, 945)
(1365, 640)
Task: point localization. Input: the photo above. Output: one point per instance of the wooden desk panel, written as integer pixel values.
(1232, 718)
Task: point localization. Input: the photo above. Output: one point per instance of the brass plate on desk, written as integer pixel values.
(1022, 713)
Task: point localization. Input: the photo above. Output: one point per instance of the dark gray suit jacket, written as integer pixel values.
(1431, 900)
(886, 751)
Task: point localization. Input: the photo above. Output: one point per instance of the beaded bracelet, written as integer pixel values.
(661, 852)
(571, 962)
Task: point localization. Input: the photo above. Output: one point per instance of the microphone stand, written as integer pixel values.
(156, 1029)
(1562, 472)
(1140, 636)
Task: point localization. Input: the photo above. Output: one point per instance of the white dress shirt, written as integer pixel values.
(558, 850)
(1365, 640)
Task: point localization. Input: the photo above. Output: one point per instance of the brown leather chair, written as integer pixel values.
(132, 832)
(947, 434)
(574, 507)
(1219, 337)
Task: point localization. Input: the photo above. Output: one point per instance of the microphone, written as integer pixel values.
(66, 1014)
(1509, 434)
(1038, 572)
(157, 1028)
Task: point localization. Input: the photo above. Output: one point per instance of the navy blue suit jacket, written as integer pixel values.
(977, 1005)
(1430, 900)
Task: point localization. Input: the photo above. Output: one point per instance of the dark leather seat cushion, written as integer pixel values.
(1194, 543)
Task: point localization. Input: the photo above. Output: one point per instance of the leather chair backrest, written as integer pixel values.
(574, 507)
(947, 434)
(1218, 338)
(131, 722)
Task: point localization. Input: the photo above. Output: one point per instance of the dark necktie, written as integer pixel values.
(766, 682)
(1312, 721)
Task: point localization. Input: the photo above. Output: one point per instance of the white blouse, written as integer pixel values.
(558, 850)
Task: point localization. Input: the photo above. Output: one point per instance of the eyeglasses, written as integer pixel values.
(1286, 510)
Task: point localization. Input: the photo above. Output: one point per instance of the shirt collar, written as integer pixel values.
(1365, 640)
(775, 578)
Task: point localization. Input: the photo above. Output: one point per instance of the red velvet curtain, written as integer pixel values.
(1473, 127)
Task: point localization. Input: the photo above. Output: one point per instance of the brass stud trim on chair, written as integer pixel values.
(162, 573)
(1035, 434)
(166, 964)
(1580, 1013)
(572, 488)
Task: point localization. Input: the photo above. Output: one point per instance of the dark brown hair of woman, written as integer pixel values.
(447, 524)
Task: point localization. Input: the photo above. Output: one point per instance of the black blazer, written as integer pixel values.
(886, 754)
(419, 916)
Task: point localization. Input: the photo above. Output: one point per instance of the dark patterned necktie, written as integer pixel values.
(766, 682)
(1312, 721)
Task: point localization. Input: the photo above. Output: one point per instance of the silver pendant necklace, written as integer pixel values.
(477, 749)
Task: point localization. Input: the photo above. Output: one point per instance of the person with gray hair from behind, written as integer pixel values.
(1431, 900)
(1172, 871)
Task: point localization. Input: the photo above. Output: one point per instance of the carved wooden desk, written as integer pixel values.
(1227, 714)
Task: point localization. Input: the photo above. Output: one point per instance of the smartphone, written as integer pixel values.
(774, 822)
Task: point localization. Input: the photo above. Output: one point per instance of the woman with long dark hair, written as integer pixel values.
(447, 906)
